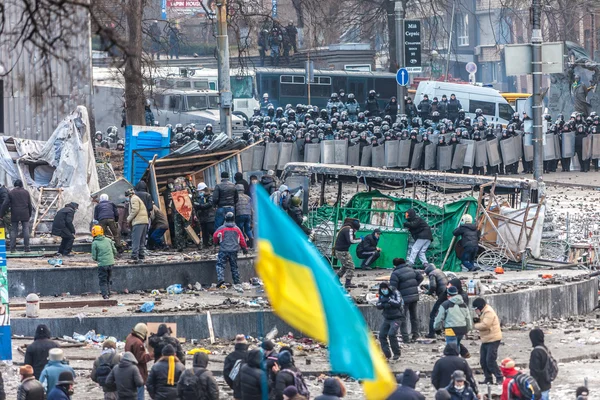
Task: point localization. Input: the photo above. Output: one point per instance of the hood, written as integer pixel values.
(200, 360)
(283, 188)
(458, 300)
(100, 238)
(411, 213)
(457, 284)
(285, 359)
(73, 205)
(429, 269)
(332, 387)
(229, 224)
(162, 330)
(238, 176)
(141, 187)
(384, 285)
(410, 378)
(241, 347)
(537, 337)
(42, 332)
(127, 359)
(471, 227)
(255, 358)
(451, 349)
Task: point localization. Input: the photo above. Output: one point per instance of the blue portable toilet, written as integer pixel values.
(141, 144)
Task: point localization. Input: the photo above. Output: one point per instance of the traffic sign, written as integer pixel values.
(471, 67)
(402, 77)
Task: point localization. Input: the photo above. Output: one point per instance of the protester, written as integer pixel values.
(243, 214)
(469, 241)
(104, 253)
(540, 363)
(454, 317)
(442, 394)
(63, 226)
(134, 343)
(37, 352)
(103, 365)
(232, 364)
(21, 210)
(295, 212)
(4, 209)
(333, 389)
(507, 367)
(159, 224)
(253, 378)
(290, 393)
(30, 388)
(406, 391)
(344, 239)
(438, 283)
(52, 372)
(288, 375)
(63, 390)
(421, 233)
(198, 382)
(392, 305)
(459, 388)
(162, 338)
(367, 249)
(164, 375)
(441, 376)
(269, 182)
(107, 215)
(138, 219)
(126, 378)
(582, 393)
(230, 239)
(239, 180)
(281, 197)
(406, 280)
(206, 213)
(271, 358)
(141, 191)
(488, 325)
(224, 198)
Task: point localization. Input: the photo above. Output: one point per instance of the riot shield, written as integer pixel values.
(595, 146)
(378, 156)
(480, 153)
(258, 157)
(518, 142)
(312, 153)
(557, 149)
(568, 144)
(549, 150)
(430, 152)
(509, 153)
(391, 153)
(527, 147)
(417, 156)
(296, 153)
(444, 158)
(365, 158)
(575, 165)
(300, 148)
(353, 155)
(458, 158)
(328, 152)
(404, 153)
(285, 154)
(586, 148)
(341, 152)
(493, 152)
(271, 156)
(469, 153)
(246, 158)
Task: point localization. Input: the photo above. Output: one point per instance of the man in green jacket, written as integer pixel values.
(103, 252)
(454, 316)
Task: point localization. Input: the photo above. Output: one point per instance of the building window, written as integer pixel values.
(462, 29)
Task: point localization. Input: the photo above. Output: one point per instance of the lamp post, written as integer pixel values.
(433, 56)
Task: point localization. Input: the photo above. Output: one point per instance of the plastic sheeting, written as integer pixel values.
(510, 232)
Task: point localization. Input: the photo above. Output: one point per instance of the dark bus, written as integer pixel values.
(287, 85)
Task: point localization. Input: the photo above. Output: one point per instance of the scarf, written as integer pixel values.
(171, 373)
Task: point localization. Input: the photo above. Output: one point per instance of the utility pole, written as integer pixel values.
(224, 82)
(536, 68)
(450, 41)
(400, 13)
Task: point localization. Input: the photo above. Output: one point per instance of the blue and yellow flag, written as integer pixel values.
(304, 292)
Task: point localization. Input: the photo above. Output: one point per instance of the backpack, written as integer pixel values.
(299, 383)
(528, 387)
(551, 365)
(103, 370)
(190, 384)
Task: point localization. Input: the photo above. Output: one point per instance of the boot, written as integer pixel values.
(250, 243)
(349, 284)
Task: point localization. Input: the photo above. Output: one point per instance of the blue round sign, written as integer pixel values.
(402, 77)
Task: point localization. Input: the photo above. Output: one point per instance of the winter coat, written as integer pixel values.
(30, 389)
(466, 394)
(103, 251)
(331, 390)
(244, 183)
(488, 325)
(126, 377)
(159, 219)
(407, 390)
(345, 238)
(353, 107)
(391, 108)
(230, 238)
(392, 305)
(469, 235)
(37, 352)
(138, 214)
(109, 357)
(243, 205)
(51, 373)
(284, 379)
(538, 360)
(21, 207)
(141, 191)
(424, 108)
(225, 194)
(157, 385)
(417, 226)
(443, 109)
(296, 214)
(441, 376)
(268, 183)
(406, 280)
(4, 201)
(135, 345)
(206, 209)
(368, 244)
(106, 210)
(453, 107)
(63, 222)
(438, 283)
(161, 339)
(58, 393)
(206, 386)
(240, 353)
(372, 107)
(506, 387)
(411, 111)
(454, 316)
(252, 377)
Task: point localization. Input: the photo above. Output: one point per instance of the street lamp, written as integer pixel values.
(433, 56)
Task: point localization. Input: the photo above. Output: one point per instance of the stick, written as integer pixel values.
(211, 329)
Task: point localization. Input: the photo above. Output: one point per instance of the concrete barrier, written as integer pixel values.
(526, 306)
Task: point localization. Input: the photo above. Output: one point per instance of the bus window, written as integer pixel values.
(505, 111)
(338, 82)
(241, 87)
(174, 102)
(385, 88)
(321, 87)
(201, 85)
(487, 107)
(183, 84)
(212, 85)
(196, 103)
(270, 85)
(213, 102)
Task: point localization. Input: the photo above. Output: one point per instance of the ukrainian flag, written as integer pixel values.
(304, 292)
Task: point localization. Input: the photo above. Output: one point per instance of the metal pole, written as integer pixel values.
(450, 41)
(536, 67)
(223, 53)
(399, 13)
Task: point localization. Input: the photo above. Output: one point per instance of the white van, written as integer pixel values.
(495, 107)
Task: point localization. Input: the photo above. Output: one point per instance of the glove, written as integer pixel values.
(476, 320)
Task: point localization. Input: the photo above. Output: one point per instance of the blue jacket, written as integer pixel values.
(106, 210)
(58, 394)
(51, 372)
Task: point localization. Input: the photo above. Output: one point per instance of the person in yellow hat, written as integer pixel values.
(104, 253)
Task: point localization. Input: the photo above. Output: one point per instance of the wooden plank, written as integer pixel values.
(183, 165)
(194, 157)
(211, 329)
(190, 231)
(52, 305)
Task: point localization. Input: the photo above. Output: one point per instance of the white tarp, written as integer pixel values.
(510, 232)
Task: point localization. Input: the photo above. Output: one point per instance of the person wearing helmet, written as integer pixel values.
(230, 240)
(424, 108)
(104, 253)
(292, 33)
(264, 104)
(391, 108)
(263, 45)
(295, 213)
(469, 241)
(148, 114)
(107, 215)
(371, 105)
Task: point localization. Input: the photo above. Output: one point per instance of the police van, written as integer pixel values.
(495, 108)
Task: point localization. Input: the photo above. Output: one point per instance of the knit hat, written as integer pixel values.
(442, 394)
(224, 175)
(168, 350)
(290, 392)
(229, 217)
(110, 343)
(479, 303)
(26, 370)
(268, 345)
(240, 339)
(56, 355)
(65, 378)
(284, 358)
(452, 290)
(507, 367)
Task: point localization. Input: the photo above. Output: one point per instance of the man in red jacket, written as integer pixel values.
(507, 367)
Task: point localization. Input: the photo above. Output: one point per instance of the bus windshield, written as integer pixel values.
(213, 102)
(241, 87)
(196, 103)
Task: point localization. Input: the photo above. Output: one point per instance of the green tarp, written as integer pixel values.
(443, 220)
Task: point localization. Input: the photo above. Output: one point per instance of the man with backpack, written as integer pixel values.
(102, 367)
(344, 239)
(454, 316)
(406, 280)
(288, 375)
(392, 305)
(162, 338)
(198, 382)
(518, 385)
(233, 363)
(542, 367)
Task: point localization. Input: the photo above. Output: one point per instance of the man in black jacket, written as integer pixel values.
(206, 213)
(421, 233)
(424, 108)
(232, 364)
(406, 390)
(239, 180)
(253, 379)
(453, 107)
(107, 215)
(406, 280)
(438, 284)
(141, 191)
(4, 207)
(198, 382)
(164, 376)
(37, 352)
(367, 249)
(392, 305)
(539, 361)
(344, 239)
(469, 241)
(224, 198)
(21, 210)
(63, 227)
(295, 213)
(163, 338)
(445, 367)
